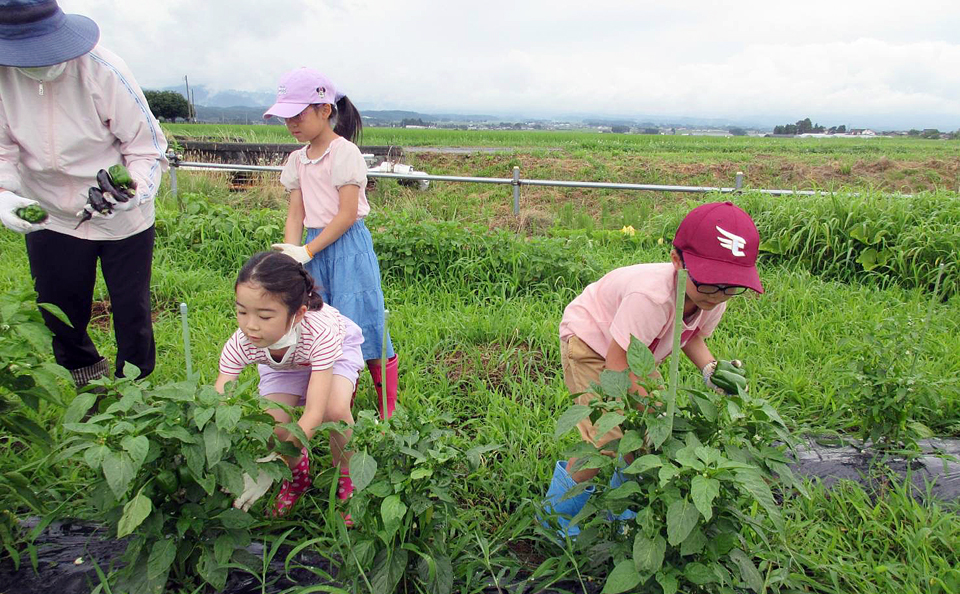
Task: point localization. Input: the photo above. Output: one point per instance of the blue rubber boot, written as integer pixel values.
(615, 481)
(566, 509)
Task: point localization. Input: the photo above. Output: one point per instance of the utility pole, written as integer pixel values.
(189, 101)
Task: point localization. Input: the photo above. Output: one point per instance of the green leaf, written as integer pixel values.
(643, 464)
(235, 518)
(130, 370)
(631, 441)
(687, 458)
(569, 419)
(773, 414)
(161, 557)
(137, 447)
(625, 490)
(202, 416)
(176, 432)
(706, 407)
(699, 574)
(215, 442)
(623, 578)
(668, 582)
(57, 312)
(704, 491)
(134, 513)
(614, 383)
(666, 474)
(648, 553)
(868, 259)
(748, 571)
(694, 543)
(362, 470)
(230, 476)
(118, 470)
(227, 417)
(750, 482)
(659, 429)
(223, 547)
(607, 422)
(708, 455)
(79, 407)
(208, 482)
(639, 358)
(94, 455)
(392, 510)
(420, 473)
(682, 517)
(195, 458)
(211, 571)
(733, 409)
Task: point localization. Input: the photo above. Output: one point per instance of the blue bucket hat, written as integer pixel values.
(37, 33)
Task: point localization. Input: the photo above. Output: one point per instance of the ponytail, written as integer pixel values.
(282, 276)
(348, 124)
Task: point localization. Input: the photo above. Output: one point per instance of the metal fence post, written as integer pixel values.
(516, 191)
(738, 184)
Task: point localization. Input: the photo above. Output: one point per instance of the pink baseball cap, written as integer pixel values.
(300, 88)
(719, 243)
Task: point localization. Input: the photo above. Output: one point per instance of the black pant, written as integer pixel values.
(64, 270)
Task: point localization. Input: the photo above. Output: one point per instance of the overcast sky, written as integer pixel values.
(877, 63)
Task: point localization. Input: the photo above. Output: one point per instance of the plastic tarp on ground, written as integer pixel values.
(937, 466)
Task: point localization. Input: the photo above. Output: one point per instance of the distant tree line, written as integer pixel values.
(805, 126)
(167, 105)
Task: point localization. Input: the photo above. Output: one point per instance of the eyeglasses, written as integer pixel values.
(713, 289)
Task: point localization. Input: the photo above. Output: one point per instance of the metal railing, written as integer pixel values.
(516, 181)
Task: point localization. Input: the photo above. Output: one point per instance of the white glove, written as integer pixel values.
(118, 206)
(253, 490)
(300, 253)
(9, 203)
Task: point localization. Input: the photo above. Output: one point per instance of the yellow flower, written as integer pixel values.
(628, 230)
(660, 241)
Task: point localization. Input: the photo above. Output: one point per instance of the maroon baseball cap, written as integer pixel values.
(719, 243)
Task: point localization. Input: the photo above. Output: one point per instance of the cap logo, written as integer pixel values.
(320, 92)
(282, 90)
(732, 242)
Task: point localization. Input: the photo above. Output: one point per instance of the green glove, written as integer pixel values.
(727, 376)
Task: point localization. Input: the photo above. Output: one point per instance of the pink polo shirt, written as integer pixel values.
(638, 300)
(320, 180)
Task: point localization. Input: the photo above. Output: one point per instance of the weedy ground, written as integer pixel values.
(478, 344)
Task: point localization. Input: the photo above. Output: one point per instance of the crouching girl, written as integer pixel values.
(307, 353)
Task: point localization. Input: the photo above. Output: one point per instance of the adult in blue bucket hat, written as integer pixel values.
(70, 108)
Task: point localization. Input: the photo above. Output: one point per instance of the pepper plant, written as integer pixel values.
(169, 461)
(405, 473)
(699, 470)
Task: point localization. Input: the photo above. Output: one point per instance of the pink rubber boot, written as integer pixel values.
(344, 492)
(391, 381)
(291, 491)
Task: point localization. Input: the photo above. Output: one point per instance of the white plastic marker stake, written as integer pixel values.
(186, 340)
(383, 362)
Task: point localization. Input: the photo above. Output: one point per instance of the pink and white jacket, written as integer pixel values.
(56, 135)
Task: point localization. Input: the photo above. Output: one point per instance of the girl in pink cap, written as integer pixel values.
(308, 355)
(326, 180)
(717, 244)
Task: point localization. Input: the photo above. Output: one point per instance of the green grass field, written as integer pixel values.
(477, 343)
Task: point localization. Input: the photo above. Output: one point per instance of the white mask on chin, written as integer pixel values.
(44, 73)
(289, 339)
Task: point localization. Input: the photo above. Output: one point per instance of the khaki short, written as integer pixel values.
(581, 366)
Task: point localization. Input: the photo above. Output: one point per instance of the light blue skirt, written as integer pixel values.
(347, 274)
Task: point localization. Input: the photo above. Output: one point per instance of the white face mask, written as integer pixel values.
(44, 73)
(289, 339)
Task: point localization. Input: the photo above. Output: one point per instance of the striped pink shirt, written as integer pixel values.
(319, 347)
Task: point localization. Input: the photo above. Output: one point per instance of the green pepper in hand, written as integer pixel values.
(727, 376)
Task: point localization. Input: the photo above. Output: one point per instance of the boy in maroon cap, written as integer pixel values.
(717, 244)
